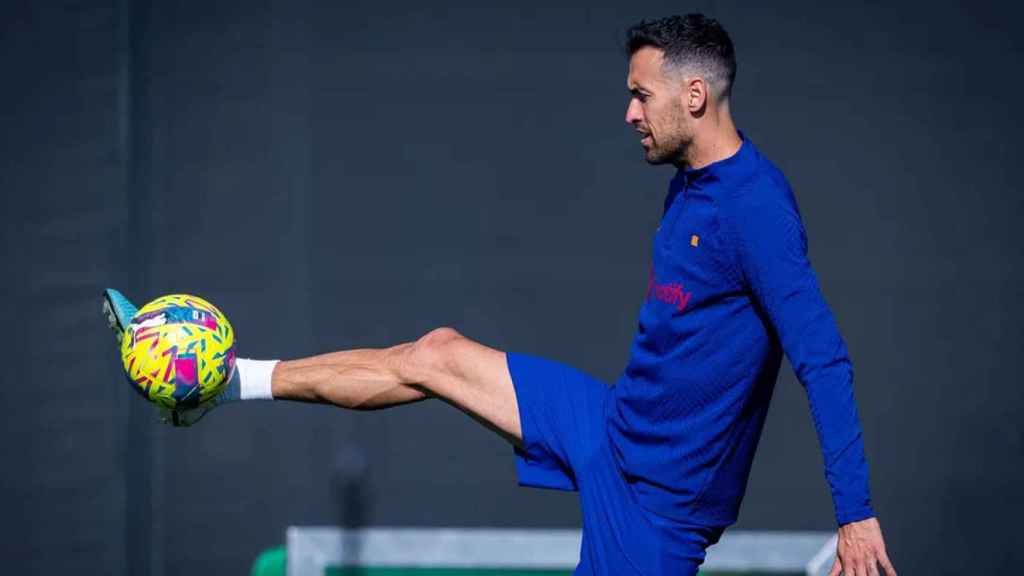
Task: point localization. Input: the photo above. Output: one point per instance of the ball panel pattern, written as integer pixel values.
(178, 351)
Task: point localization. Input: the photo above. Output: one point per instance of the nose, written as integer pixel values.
(634, 113)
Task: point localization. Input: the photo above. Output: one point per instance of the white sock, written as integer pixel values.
(254, 378)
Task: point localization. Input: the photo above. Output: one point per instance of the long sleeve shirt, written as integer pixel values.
(730, 289)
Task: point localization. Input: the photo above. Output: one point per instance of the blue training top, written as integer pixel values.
(730, 288)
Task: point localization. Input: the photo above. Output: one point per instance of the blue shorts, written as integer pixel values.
(563, 413)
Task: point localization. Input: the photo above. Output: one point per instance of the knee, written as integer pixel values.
(437, 350)
(424, 359)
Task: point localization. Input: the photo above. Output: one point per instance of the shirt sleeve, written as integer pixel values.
(772, 258)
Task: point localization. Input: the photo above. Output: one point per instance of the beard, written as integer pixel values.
(670, 148)
(658, 154)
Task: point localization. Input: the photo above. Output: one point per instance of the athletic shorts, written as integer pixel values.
(563, 413)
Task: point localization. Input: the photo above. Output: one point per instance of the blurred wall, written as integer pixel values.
(353, 174)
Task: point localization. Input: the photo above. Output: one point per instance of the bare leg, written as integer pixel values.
(443, 364)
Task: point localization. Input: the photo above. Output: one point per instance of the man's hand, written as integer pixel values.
(861, 550)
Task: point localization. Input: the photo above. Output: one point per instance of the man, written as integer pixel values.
(661, 459)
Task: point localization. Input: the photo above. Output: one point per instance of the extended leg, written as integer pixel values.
(443, 364)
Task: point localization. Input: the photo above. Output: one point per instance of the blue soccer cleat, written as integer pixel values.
(189, 416)
(118, 310)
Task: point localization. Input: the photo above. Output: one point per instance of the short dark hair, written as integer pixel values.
(693, 43)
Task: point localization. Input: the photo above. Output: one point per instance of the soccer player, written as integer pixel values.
(661, 459)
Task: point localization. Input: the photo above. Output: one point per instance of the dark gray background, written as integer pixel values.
(340, 174)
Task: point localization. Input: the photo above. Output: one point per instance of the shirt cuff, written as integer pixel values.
(854, 514)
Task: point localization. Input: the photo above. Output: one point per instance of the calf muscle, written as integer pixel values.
(356, 379)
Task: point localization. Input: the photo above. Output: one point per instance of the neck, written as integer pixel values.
(716, 140)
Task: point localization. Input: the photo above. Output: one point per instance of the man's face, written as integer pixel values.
(656, 108)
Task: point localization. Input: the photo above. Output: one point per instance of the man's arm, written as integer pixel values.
(772, 259)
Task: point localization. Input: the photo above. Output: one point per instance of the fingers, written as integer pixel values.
(863, 566)
(853, 564)
(883, 559)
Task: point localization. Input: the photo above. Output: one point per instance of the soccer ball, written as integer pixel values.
(178, 351)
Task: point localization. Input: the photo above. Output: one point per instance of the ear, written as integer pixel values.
(695, 95)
